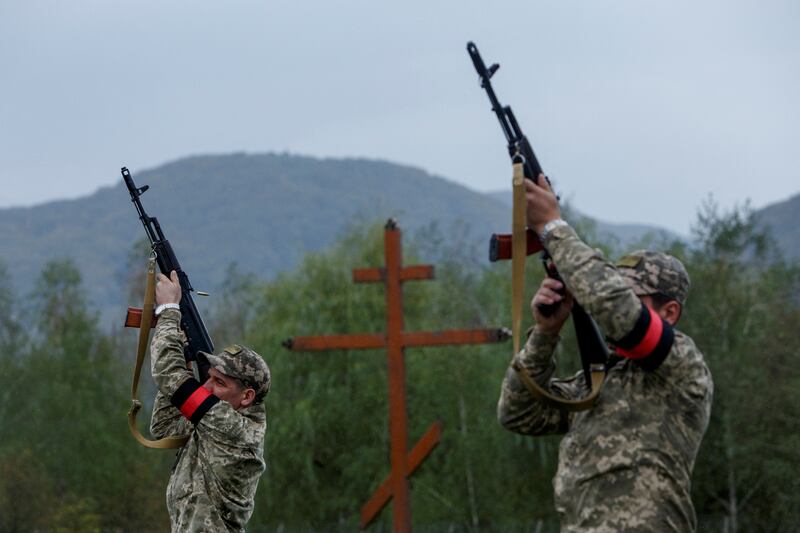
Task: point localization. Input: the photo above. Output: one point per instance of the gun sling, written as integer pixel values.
(519, 245)
(144, 337)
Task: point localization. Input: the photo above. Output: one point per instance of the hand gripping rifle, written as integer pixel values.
(197, 338)
(523, 242)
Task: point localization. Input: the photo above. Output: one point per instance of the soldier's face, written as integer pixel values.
(225, 388)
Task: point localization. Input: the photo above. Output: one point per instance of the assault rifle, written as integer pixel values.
(518, 145)
(197, 338)
(594, 351)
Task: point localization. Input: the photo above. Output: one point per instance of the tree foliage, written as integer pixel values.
(742, 311)
(65, 446)
(67, 460)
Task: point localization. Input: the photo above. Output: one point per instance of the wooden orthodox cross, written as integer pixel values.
(395, 486)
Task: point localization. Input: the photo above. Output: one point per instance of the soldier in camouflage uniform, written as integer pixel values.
(625, 464)
(216, 473)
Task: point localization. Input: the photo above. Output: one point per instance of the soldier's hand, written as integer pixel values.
(547, 294)
(541, 204)
(168, 289)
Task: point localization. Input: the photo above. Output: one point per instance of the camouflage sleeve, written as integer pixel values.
(166, 420)
(169, 370)
(594, 282)
(167, 363)
(517, 409)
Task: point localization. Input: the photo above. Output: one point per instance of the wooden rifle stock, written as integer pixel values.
(134, 318)
(500, 245)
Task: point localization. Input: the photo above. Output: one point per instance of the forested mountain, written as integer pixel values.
(263, 212)
(782, 219)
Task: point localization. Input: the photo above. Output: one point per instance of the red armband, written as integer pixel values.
(650, 340)
(193, 400)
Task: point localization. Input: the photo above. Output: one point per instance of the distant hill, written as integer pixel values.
(783, 219)
(262, 211)
(621, 235)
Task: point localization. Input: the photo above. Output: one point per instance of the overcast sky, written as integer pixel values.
(637, 109)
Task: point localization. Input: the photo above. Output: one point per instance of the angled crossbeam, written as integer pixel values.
(425, 445)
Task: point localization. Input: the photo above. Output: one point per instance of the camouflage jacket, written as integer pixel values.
(216, 473)
(626, 463)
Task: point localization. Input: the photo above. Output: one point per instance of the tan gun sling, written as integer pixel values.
(144, 337)
(519, 253)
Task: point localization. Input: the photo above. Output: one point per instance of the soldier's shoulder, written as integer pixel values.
(687, 364)
(256, 425)
(243, 428)
(686, 349)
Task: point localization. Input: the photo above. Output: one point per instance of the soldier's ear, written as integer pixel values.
(671, 312)
(249, 396)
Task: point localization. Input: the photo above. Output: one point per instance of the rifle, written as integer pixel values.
(197, 338)
(593, 349)
(500, 245)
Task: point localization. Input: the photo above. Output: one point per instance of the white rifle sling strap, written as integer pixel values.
(518, 255)
(144, 338)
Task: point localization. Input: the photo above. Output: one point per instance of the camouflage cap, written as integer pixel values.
(655, 272)
(244, 364)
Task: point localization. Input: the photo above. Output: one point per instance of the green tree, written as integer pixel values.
(12, 351)
(741, 312)
(233, 306)
(27, 496)
(74, 406)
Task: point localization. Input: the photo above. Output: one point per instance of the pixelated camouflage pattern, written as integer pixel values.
(215, 476)
(244, 364)
(626, 463)
(655, 272)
